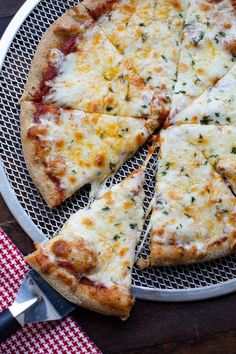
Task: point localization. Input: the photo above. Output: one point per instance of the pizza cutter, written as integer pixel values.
(35, 302)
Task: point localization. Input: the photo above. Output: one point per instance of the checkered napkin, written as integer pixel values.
(55, 337)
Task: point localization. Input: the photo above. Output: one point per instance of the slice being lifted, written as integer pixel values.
(194, 216)
(90, 261)
(66, 149)
(208, 50)
(217, 105)
(77, 67)
(149, 39)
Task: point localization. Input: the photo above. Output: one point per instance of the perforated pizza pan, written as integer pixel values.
(17, 47)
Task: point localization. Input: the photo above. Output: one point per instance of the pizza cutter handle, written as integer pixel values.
(8, 325)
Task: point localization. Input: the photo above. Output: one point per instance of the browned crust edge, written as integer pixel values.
(64, 27)
(98, 8)
(168, 255)
(45, 185)
(109, 302)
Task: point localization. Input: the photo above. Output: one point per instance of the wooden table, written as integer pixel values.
(199, 327)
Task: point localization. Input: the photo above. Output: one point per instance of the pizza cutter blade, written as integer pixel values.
(36, 301)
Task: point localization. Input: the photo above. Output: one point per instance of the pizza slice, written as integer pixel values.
(112, 16)
(217, 105)
(218, 145)
(149, 39)
(77, 67)
(194, 215)
(65, 149)
(90, 261)
(207, 52)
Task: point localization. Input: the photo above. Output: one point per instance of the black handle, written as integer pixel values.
(8, 325)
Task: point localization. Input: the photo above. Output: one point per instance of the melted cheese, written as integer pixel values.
(111, 230)
(153, 39)
(204, 57)
(227, 167)
(90, 146)
(150, 39)
(193, 207)
(217, 105)
(218, 145)
(96, 78)
(114, 23)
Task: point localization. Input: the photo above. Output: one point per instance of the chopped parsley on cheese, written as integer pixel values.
(217, 105)
(194, 208)
(207, 51)
(218, 145)
(149, 39)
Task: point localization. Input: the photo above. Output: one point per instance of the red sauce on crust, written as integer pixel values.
(89, 282)
(49, 74)
(56, 181)
(43, 109)
(102, 8)
(40, 93)
(233, 2)
(66, 264)
(219, 241)
(61, 249)
(69, 46)
(43, 261)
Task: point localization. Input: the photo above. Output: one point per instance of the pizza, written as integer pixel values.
(105, 77)
(114, 58)
(66, 149)
(194, 214)
(147, 33)
(216, 105)
(90, 261)
(208, 50)
(76, 67)
(218, 145)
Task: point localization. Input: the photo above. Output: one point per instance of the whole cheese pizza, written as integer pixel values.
(106, 77)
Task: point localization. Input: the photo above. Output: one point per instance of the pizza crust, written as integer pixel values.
(98, 8)
(36, 169)
(67, 25)
(173, 255)
(107, 301)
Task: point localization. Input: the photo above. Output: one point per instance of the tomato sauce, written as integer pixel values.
(69, 46)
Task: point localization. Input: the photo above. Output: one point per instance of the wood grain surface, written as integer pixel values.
(206, 327)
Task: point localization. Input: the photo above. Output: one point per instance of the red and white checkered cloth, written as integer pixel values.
(56, 337)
